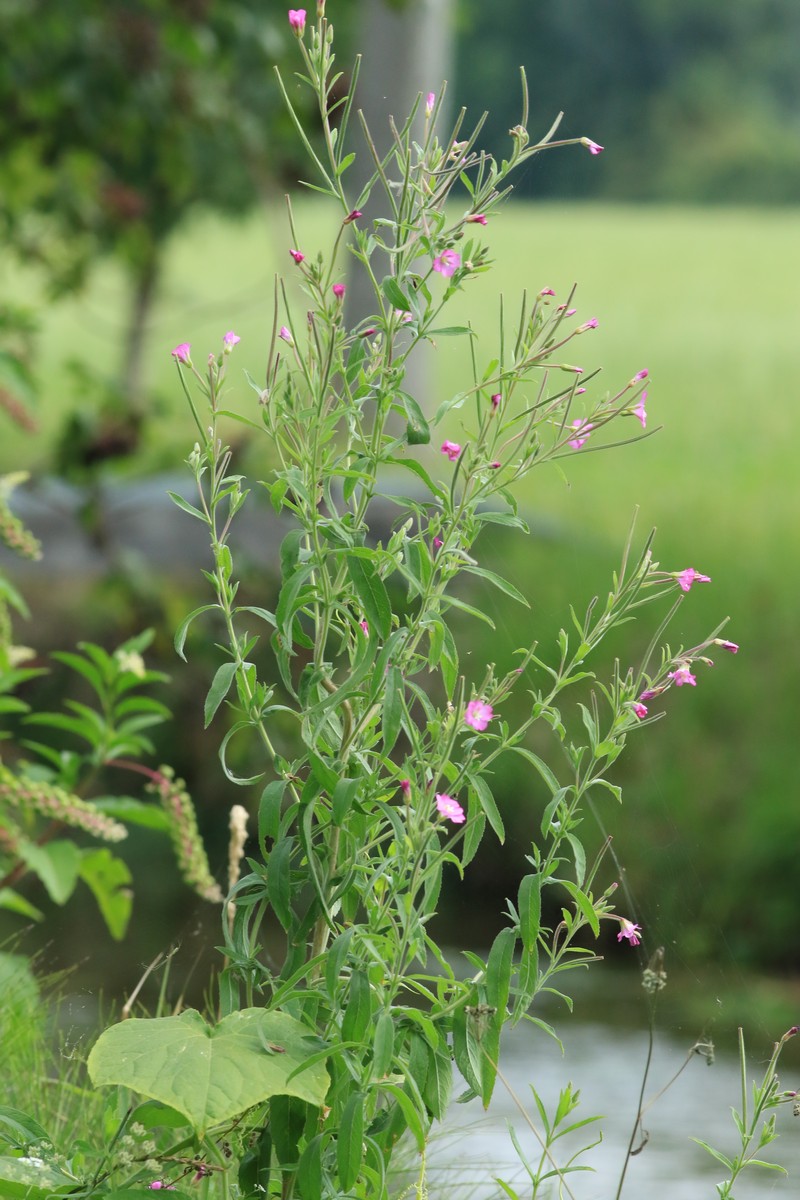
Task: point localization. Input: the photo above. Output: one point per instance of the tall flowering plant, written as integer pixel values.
(372, 748)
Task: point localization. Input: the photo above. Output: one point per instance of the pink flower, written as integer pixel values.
(640, 411)
(570, 312)
(478, 714)
(297, 256)
(591, 146)
(368, 332)
(451, 449)
(476, 219)
(495, 466)
(297, 20)
(640, 375)
(592, 323)
(651, 693)
(364, 625)
(640, 710)
(580, 427)
(682, 675)
(547, 292)
(450, 808)
(733, 647)
(628, 930)
(496, 398)
(405, 787)
(403, 316)
(229, 341)
(353, 215)
(447, 263)
(286, 335)
(689, 576)
(181, 353)
(437, 543)
(338, 290)
(430, 103)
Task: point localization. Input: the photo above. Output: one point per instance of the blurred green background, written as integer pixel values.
(143, 151)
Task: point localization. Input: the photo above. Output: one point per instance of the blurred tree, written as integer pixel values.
(695, 102)
(119, 116)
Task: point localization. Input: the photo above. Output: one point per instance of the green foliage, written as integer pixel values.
(42, 798)
(211, 1073)
(693, 102)
(116, 120)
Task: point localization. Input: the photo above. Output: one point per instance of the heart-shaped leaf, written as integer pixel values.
(211, 1073)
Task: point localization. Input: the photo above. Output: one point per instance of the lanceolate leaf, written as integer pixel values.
(220, 686)
(372, 594)
(211, 1073)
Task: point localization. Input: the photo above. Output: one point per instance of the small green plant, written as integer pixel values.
(61, 788)
(755, 1122)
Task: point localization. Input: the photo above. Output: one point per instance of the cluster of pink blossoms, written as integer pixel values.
(683, 674)
(182, 352)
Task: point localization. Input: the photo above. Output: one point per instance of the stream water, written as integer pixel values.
(474, 1148)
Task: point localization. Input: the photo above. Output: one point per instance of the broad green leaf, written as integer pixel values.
(372, 594)
(17, 1127)
(13, 902)
(210, 1073)
(220, 686)
(56, 864)
(350, 1141)
(109, 877)
(31, 1179)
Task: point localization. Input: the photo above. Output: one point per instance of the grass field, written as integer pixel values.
(708, 300)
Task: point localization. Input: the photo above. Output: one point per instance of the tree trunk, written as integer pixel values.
(405, 52)
(145, 282)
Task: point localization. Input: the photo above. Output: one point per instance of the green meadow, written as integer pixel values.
(708, 300)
